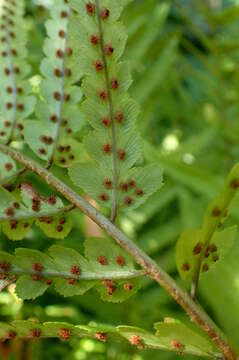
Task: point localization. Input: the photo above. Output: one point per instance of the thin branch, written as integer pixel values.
(194, 311)
(113, 130)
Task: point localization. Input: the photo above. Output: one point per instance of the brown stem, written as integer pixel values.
(195, 312)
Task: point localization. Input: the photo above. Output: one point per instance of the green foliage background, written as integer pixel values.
(184, 56)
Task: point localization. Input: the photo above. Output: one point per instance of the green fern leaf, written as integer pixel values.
(19, 210)
(198, 250)
(51, 135)
(106, 267)
(113, 145)
(16, 103)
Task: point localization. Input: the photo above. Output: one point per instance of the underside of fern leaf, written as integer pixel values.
(113, 145)
(59, 118)
(22, 207)
(106, 267)
(15, 102)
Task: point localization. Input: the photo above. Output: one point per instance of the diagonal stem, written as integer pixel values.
(195, 312)
(111, 110)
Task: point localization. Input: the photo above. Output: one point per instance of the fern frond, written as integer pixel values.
(20, 209)
(106, 267)
(51, 135)
(15, 103)
(198, 250)
(114, 144)
(171, 335)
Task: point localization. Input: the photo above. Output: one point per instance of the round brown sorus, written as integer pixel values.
(114, 84)
(128, 200)
(136, 340)
(20, 126)
(197, 248)
(235, 183)
(5, 266)
(102, 260)
(186, 267)
(35, 333)
(64, 14)
(120, 260)
(72, 281)
(216, 212)
(98, 65)
(176, 344)
(103, 95)
(62, 221)
(69, 51)
(108, 184)
(11, 335)
(123, 186)
(205, 267)
(13, 224)
(38, 267)
(7, 124)
(36, 277)
(52, 200)
(109, 49)
(94, 39)
(62, 34)
(90, 8)
(8, 166)
(101, 336)
(104, 197)
(139, 192)
(106, 121)
(59, 228)
(105, 13)
(107, 148)
(75, 270)
(121, 154)
(128, 286)
(65, 334)
(9, 211)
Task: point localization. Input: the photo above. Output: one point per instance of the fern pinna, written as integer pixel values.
(114, 144)
(15, 102)
(51, 135)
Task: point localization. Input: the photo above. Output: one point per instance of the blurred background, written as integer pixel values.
(185, 62)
